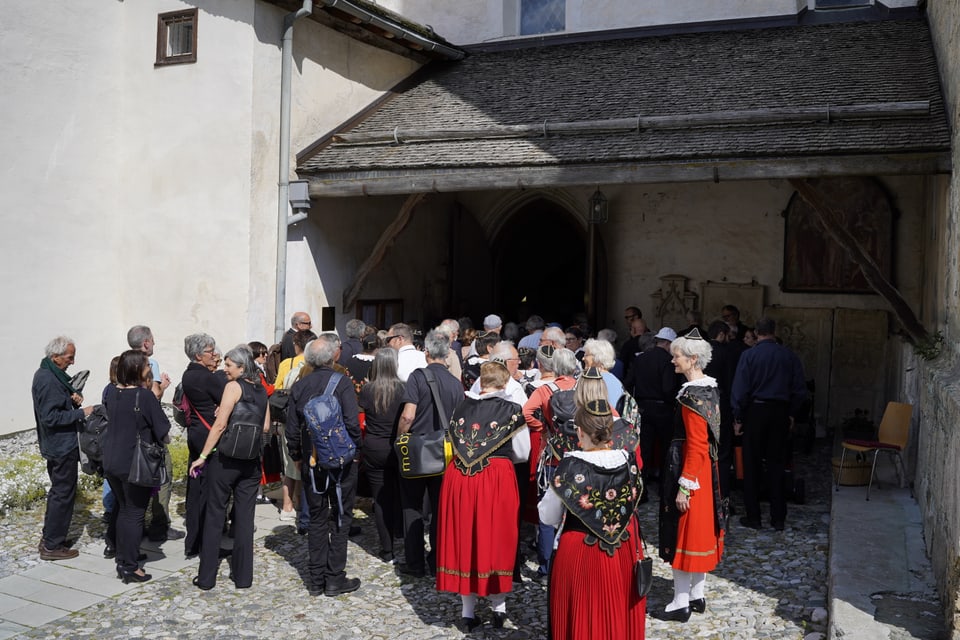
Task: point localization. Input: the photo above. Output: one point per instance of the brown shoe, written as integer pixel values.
(60, 553)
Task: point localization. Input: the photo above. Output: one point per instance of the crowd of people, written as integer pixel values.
(545, 424)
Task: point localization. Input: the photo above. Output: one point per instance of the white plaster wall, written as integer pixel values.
(133, 194)
(335, 78)
(591, 15)
(481, 21)
(59, 176)
(186, 179)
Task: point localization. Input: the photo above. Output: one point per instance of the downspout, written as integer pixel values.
(283, 199)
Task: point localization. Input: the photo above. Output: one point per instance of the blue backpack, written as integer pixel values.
(333, 448)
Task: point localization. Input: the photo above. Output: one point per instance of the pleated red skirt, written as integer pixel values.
(592, 595)
(477, 530)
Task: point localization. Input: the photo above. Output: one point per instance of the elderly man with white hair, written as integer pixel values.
(56, 407)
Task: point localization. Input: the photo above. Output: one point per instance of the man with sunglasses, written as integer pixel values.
(300, 321)
(400, 337)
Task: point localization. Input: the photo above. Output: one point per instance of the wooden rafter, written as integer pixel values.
(352, 293)
(831, 221)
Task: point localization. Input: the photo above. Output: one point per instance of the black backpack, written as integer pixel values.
(91, 439)
(563, 433)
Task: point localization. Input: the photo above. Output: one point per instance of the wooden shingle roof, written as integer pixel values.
(818, 69)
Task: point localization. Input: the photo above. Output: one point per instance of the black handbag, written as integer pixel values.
(149, 465)
(422, 455)
(643, 567)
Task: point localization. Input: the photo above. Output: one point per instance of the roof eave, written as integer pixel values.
(405, 181)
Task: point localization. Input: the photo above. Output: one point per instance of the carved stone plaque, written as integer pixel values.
(672, 301)
(858, 374)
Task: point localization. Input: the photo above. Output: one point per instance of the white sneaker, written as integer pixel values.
(288, 516)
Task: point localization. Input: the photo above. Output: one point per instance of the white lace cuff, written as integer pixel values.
(689, 485)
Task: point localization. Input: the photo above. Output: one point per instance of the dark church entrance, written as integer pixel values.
(540, 264)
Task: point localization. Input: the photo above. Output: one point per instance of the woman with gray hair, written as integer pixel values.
(203, 389)
(599, 354)
(691, 510)
(232, 472)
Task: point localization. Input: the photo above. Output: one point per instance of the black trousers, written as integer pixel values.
(60, 498)
(766, 430)
(196, 497)
(241, 479)
(656, 431)
(160, 504)
(386, 513)
(126, 521)
(329, 528)
(726, 448)
(412, 493)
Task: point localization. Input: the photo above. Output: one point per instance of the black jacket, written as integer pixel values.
(57, 418)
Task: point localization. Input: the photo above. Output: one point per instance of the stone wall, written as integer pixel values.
(938, 392)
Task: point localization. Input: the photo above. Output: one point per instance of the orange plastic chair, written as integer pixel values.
(892, 438)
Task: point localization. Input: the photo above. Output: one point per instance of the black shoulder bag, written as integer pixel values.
(643, 567)
(149, 465)
(422, 455)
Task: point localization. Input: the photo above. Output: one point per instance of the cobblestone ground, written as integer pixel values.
(768, 586)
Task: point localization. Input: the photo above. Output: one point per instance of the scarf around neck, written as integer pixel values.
(61, 375)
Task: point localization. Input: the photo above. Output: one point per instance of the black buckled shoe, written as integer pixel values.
(677, 615)
(469, 624)
(699, 605)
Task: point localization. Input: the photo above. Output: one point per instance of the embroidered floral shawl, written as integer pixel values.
(602, 499)
(481, 427)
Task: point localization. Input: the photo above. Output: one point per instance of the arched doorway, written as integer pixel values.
(540, 264)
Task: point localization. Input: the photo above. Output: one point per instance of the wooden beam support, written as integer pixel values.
(352, 293)
(832, 222)
(382, 182)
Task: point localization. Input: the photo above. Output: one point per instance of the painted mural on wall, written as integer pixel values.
(813, 261)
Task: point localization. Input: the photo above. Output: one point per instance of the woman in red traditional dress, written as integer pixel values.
(477, 527)
(691, 513)
(594, 494)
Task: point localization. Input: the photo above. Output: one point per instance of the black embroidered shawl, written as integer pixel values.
(705, 402)
(480, 429)
(602, 499)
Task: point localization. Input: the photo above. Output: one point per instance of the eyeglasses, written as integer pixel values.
(261, 353)
(389, 338)
(209, 351)
(308, 323)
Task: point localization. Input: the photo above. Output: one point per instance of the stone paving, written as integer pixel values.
(769, 585)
